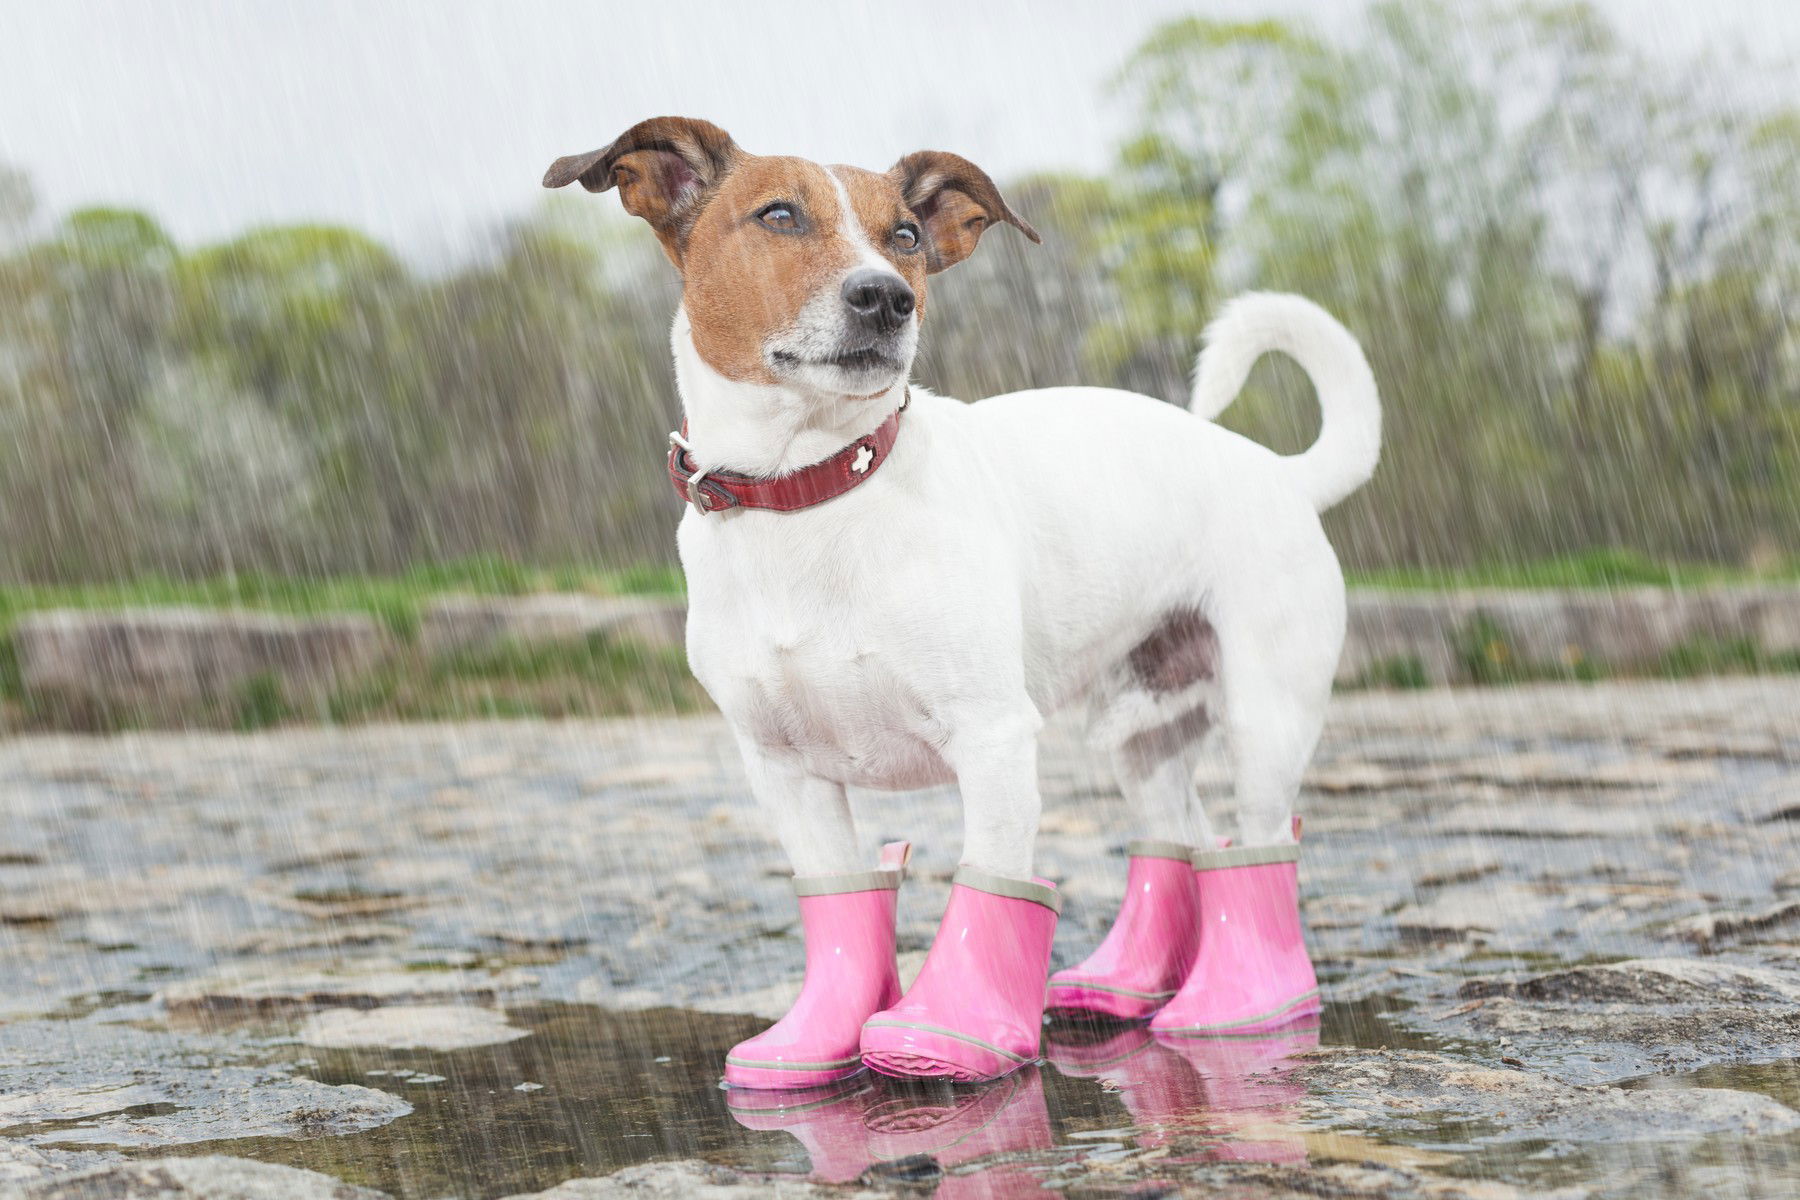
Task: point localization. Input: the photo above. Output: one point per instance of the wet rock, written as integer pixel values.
(1403, 1087)
(1648, 981)
(1776, 803)
(213, 1177)
(1613, 1021)
(1708, 929)
(56, 893)
(409, 1027)
(1346, 778)
(1699, 743)
(343, 903)
(134, 1087)
(21, 1164)
(1474, 909)
(330, 937)
(1353, 1175)
(1523, 818)
(375, 984)
(690, 1177)
(1452, 869)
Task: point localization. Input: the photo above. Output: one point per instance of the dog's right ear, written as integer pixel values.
(663, 168)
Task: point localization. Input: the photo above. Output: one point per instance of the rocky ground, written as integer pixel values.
(1559, 929)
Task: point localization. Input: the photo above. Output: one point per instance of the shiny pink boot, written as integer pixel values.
(848, 924)
(1252, 972)
(976, 1010)
(1151, 946)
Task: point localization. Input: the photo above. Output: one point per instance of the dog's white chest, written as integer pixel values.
(842, 708)
(824, 674)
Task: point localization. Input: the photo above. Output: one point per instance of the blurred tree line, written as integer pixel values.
(1575, 270)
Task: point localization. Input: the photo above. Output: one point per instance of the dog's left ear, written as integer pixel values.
(954, 200)
(664, 169)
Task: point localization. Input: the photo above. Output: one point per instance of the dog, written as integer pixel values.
(891, 589)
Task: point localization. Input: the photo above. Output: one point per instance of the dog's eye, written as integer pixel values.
(784, 217)
(906, 238)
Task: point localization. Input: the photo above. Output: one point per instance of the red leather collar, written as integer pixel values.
(715, 491)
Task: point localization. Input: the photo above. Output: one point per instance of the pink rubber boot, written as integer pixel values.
(848, 924)
(976, 1010)
(1252, 972)
(1151, 946)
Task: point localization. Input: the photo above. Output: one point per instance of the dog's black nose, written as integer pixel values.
(879, 300)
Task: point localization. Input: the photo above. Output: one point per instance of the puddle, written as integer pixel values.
(616, 1089)
(591, 1091)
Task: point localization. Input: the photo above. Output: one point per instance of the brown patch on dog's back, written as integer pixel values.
(1143, 751)
(1181, 651)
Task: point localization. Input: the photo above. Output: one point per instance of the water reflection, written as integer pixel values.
(1203, 1099)
(618, 1089)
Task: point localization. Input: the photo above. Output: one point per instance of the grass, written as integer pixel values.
(398, 600)
(596, 676)
(395, 600)
(1594, 569)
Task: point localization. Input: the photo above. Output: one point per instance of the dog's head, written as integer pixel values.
(795, 273)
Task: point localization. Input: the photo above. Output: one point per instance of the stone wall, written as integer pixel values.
(163, 656)
(1465, 637)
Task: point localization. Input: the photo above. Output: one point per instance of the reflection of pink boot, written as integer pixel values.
(956, 1126)
(827, 1121)
(1161, 1092)
(976, 1010)
(848, 924)
(1252, 972)
(1253, 1091)
(1151, 946)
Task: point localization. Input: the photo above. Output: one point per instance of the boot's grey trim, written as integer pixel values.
(853, 881)
(1113, 1062)
(851, 1085)
(1226, 1026)
(889, 1023)
(1245, 856)
(1084, 986)
(1149, 848)
(1000, 885)
(840, 1064)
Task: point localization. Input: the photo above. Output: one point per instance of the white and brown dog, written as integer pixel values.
(890, 589)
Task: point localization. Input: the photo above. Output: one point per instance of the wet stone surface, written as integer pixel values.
(1556, 926)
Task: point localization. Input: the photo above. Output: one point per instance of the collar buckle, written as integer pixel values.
(704, 496)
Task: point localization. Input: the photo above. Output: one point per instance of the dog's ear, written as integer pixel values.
(663, 168)
(954, 200)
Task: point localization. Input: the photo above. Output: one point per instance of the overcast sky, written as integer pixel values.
(424, 120)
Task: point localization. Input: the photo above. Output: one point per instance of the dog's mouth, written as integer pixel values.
(864, 360)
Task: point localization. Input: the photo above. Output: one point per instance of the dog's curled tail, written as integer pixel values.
(1349, 443)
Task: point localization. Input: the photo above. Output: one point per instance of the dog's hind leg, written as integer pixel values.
(1251, 972)
(1155, 771)
(1277, 683)
(1153, 940)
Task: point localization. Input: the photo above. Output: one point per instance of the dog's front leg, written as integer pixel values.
(976, 1011)
(808, 815)
(995, 760)
(846, 919)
